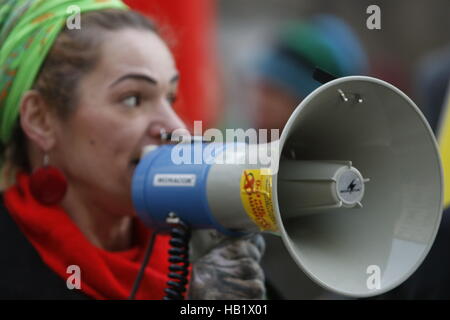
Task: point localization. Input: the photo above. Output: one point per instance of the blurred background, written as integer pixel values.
(248, 64)
(413, 35)
(411, 51)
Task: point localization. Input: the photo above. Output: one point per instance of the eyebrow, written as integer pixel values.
(142, 77)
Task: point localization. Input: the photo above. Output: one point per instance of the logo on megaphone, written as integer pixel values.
(334, 221)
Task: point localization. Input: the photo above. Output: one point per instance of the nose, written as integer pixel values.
(167, 121)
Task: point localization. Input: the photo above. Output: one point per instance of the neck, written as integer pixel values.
(105, 230)
(102, 229)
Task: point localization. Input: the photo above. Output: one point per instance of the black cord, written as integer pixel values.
(179, 261)
(140, 274)
(322, 76)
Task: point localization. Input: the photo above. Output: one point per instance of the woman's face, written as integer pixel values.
(123, 105)
(272, 106)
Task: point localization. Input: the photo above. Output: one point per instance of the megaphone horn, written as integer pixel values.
(357, 187)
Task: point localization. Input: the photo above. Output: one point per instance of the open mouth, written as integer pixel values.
(135, 161)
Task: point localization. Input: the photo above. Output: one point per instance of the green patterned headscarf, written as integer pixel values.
(28, 29)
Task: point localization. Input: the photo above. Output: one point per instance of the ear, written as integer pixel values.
(37, 120)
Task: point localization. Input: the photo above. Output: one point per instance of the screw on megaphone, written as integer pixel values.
(345, 96)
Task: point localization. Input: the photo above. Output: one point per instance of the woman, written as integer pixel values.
(76, 108)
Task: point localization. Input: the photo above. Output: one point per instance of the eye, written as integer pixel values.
(132, 101)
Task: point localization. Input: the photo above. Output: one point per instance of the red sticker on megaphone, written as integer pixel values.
(256, 196)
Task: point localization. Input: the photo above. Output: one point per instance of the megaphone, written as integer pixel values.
(357, 187)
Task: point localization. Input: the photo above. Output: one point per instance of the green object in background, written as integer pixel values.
(28, 29)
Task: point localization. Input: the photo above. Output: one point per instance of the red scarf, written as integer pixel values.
(59, 242)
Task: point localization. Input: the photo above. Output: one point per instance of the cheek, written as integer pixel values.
(104, 137)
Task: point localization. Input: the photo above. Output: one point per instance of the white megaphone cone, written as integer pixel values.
(353, 236)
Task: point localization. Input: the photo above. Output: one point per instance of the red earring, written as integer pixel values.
(48, 185)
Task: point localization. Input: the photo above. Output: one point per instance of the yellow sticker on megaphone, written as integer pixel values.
(256, 196)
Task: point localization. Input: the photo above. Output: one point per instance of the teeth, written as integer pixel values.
(148, 149)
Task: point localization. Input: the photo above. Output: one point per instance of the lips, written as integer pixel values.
(148, 148)
(135, 160)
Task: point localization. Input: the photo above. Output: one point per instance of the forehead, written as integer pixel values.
(132, 50)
